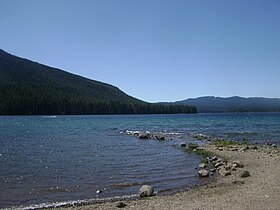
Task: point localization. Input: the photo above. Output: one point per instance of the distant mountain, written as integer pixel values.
(27, 87)
(233, 104)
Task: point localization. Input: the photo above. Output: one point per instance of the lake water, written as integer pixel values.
(45, 159)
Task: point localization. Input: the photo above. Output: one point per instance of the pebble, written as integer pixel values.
(121, 205)
(244, 174)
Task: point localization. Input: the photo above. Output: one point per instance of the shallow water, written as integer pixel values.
(50, 159)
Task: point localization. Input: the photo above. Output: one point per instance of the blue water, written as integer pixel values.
(50, 159)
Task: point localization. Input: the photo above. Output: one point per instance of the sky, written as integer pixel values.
(154, 50)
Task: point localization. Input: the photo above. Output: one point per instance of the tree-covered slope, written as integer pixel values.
(233, 104)
(27, 87)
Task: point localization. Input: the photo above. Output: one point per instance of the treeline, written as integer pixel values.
(257, 109)
(26, 99)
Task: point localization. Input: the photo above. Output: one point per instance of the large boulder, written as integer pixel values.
(146, 191)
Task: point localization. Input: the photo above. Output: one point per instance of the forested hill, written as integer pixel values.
(233, 104)
(27, 87)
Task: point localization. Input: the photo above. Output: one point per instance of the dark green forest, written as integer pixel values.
(30, 88)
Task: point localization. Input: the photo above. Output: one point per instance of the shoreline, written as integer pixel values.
(260, 190)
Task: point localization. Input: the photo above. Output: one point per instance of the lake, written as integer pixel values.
(46, 159)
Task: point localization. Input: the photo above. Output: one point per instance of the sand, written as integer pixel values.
(259, 191)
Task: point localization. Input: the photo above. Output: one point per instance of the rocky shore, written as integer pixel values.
(246, 177)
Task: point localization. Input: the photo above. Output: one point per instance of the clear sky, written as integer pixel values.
(155, 50)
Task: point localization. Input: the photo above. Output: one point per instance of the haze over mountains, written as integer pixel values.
(210, 104)
(27, 87)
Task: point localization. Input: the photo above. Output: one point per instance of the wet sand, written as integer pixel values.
(260, 191)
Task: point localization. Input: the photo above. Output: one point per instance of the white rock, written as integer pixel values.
(146, 191)
(203, 173)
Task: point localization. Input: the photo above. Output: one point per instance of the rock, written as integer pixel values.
(254, 147)
(228, 166)
(274, 145)
(121, 205)
(219, 160)
(238, 164)
(99, 191)
(214, 158)
(144, 135)
(160, 137)
(135, 133)
(219, 168)
(238, 182)
(244, 149)
(183, 144)
(202, 165)
(244, 174)
(212, 169)
(146, 191)
(200, 137)
(203, 173)
(233, 149)
(219, 164)
(224, 172)
(233, 168)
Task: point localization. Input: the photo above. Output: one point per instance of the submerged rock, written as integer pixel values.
(99, 191)
(183, 144)
(200, 137)
(146, 191)
(160, 137)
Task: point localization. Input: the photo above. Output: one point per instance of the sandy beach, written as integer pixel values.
(261, 190)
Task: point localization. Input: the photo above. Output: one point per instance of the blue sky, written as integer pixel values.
(155, 50)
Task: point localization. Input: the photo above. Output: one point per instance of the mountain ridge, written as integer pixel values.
(233, 104)
(28, 87)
